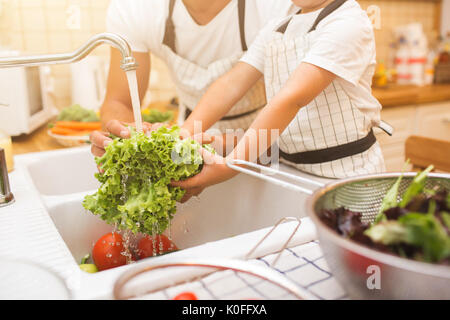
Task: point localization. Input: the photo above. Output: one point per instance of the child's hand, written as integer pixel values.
(214, 171)
(217, 142)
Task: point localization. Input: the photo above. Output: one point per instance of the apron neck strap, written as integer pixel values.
(329, 9)
(169, 34)
(241, 8)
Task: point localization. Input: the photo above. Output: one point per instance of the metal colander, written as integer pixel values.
(365, 194)
(363, 272)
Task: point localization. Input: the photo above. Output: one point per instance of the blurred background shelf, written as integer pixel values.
(399, 95)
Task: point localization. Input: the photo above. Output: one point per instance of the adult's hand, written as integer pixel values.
(100, 139)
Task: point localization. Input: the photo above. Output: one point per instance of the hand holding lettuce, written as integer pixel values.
(135, 192)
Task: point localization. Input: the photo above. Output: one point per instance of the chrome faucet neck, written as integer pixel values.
(6, 196)
(128, 62)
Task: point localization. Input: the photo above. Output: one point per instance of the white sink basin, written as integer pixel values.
(241, 205)
(64, 172)
(78, 228)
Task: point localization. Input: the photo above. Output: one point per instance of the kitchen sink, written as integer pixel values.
(239, 206)
(225, 221)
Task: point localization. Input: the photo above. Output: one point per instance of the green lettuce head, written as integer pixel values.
(135, 192)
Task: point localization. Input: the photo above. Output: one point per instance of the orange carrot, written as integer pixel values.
(68, 132)
(78, 125)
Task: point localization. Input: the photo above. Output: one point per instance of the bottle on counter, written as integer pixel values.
(442, 67)
(402, 62)
(380, 78)
(6, 144)
(444, 50)
(418, 53)
(432, 60)
(390, 64)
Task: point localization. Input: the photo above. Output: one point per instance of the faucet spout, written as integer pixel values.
(128, 62)
(6, 196)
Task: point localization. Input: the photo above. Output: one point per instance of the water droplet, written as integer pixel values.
(154, 253)
(170, 231)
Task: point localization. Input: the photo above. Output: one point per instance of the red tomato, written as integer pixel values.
(162, 244)
(186, 296)
(107, 252)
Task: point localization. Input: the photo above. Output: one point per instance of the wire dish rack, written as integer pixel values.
(275, 276)
(304, 265)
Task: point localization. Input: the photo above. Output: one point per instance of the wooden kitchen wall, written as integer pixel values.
(44, 26)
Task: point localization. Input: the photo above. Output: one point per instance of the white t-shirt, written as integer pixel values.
(142, 24)
(343, 43)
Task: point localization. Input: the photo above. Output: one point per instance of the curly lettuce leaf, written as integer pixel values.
(135, 192)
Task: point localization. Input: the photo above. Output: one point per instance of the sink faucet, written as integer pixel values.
(128, 62)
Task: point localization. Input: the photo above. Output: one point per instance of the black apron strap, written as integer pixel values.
(241, 11)
(169, 33)
(337, 152)
(333, 153)
(283, 27)
(226, 118)
(329, 9)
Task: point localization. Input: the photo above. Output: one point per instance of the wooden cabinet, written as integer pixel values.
(433, 121)
(428, 120)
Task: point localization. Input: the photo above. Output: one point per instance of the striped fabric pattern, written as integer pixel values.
(304, 265)
(192, 81)
(331, 119)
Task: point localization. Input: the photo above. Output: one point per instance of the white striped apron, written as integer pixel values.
(192, 80)
(330, 121)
